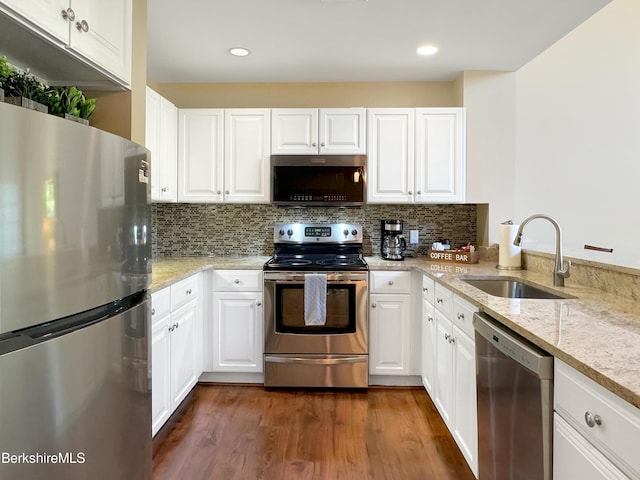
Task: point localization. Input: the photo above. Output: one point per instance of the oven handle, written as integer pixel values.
(316, 361)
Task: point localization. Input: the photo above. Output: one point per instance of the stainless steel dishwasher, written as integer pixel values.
(515, 404)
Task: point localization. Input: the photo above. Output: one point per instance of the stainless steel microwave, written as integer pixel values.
(317, 180)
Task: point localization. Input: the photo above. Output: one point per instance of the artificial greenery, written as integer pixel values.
(60, 100)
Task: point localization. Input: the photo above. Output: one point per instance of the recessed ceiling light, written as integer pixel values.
(427, 50)
(239, 51)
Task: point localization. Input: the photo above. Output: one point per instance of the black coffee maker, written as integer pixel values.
(392, 242)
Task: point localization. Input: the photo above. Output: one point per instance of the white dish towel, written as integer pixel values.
(315, 299)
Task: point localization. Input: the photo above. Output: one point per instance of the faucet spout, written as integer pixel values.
(560, 272)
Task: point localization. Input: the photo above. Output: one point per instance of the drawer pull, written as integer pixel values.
(390, 282)
(591, 419)
(258, 303)
(425, 289)
(188, 292)
(430, 318)
(373, 305)
(439, 300)
(236, 281)
(153, 311)
(447, 337)
(460, 316)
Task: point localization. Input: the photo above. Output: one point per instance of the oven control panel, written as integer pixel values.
(317, 233)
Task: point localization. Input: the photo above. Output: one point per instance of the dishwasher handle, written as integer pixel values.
(514, 346)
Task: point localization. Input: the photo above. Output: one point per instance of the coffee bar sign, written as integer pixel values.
(452, 256)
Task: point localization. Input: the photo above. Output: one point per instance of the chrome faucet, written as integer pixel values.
(559, 271)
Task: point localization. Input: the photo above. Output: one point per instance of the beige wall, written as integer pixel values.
(578, 141)
(301, 95)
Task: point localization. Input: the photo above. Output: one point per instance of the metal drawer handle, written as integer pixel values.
(591, 419)
(447, 337)
(390, 282)
(425, 289)
(452, 339)
(153, 311)
(68, 14)
(82, 26)
(258, 304)
(236, 281)
(460, 316)
(439, 300)
(430, 318)
(373, 305)
(189, 292)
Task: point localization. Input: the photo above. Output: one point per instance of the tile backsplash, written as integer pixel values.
(181, 229)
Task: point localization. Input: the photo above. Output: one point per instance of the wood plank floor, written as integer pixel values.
(240, 432)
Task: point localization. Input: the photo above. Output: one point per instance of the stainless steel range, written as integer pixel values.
(315, 304)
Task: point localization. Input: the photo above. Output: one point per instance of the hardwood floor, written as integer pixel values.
(240, 432)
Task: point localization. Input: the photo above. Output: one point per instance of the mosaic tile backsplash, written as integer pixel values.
(181, 229)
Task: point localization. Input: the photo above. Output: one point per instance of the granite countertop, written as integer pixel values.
(597, 333)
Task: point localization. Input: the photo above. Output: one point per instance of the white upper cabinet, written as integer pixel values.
(416, 155)
(96, 32)
(309, 131)
(390, 160)
(223, 155)
(440, 155)
(200, 155)
(246, 155)
(161, 138)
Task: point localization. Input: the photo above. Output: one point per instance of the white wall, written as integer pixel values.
(578, 138)
(489, 99)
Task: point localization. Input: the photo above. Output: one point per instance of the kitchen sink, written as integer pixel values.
(511, 288)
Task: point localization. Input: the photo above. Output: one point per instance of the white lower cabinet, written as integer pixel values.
(454, 383)
(390, 323)
(596, 432)
(176, 346)
(428, 343)
(238, 343)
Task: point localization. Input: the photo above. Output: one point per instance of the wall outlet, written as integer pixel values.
(413, 236)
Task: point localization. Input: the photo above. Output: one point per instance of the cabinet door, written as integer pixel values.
(443, 383)
(183, 351)
(465, 417)
(161, 407)
(342, 131)
(440, 155)
(390, 139)
(428, 346)
(390, 336)
(200, 155)
(237, 332)
(294, 131)
(168, 152)
(574, 457)
(41, 15)
(101, 32)
(247, 155)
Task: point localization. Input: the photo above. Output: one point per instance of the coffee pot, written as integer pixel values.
(393, 243)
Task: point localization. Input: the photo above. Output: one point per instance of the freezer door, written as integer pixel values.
(74, 218)
(78, 406)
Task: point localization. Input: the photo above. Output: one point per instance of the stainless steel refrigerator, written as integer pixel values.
(75, 265)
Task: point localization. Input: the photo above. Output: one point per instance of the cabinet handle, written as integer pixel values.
(439, 300)
(429, 318)
(591, 419)
(314, 144)
(219, 192)
(409, 192)
(189, 292)
(425, 289)
(153, 311)
(226, 192)
(390, 282)
(68, 14)
(82, 26)
(373, 305)
(419, 192)
(460, 316)
(258, 304)
(171, 328)
(236, 281)
(177, 325)
(452, 339)
(447, 336)
(322, 144)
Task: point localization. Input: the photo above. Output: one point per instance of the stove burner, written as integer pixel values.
(294, 262)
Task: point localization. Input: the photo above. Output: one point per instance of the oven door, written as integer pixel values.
(345, 330)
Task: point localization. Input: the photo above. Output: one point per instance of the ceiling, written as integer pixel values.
(351, 40)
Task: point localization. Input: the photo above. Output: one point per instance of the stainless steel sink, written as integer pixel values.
(511, 288)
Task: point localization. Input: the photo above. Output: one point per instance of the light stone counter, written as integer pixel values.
(597, 333)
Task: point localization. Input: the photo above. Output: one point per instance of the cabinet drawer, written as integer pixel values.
(237, 280)
(428, 289)
(160, 304)
(183, 291)
(618, 431)
(390, 282)
(444, 300)
(463, 315)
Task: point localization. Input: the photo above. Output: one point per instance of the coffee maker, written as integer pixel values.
(393, 243)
